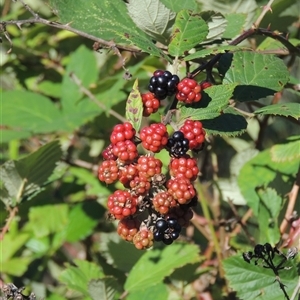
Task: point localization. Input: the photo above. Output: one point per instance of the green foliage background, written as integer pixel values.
(60, 244)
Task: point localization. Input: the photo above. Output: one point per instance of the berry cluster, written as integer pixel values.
(152, 206)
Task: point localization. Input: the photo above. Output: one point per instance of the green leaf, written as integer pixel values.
(227, 124)
(157, 20)
(112, 247)
(134, 107)
(27, 175)
(50, 88)
(177, 6)
(16, 266)
(248, 7)
(159, 291)
(235, 25)
(108, 20)
(9, 135)
(105, 288)
(93, 185)
(25, 111)
(255, 282)
(12, 244)
(78, 278)
(259, 171)
(214, 51)
(88, 213)
(216, 24)
(289, 151)
(155, 265)
(48, 219)
(212, 103)
(269, 208)
(248, 68)
(281, 109)
(188, 31)
(229, 186)
(83, 64)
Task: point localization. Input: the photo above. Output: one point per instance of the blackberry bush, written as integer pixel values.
(230, 94)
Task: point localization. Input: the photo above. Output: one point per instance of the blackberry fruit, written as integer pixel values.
(166, 230)
(177, 145)
(173, 223)
(158, 236)
(163, 84)
(161, 225)
(167, 240)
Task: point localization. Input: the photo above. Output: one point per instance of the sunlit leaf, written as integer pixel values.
(155, 265)
(105, 288)
(157, 18)
(77, 278)
(188, 31)
(177, 6)
(134, 107)
(48, 219)
(289, 151)
(252, 281)
(108, 20)
(27, 175)
(281, 109)
(248, 68)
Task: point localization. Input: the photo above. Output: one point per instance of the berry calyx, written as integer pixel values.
(150, 104)
(163, 84)
(181, 189)
(143, 239)
(163, 201)
(194, 132)
(121, 204)
(122, 132)
(184, 167)
(188, 91)
(108, 171)
(154, 137)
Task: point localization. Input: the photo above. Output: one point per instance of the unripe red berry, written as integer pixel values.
(122, 132)
(194, 132)
(121, 204)
(154, 137)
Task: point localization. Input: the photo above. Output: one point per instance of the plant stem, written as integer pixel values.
(94, 99)
(292, 195)
(213, 235)
(266, 8)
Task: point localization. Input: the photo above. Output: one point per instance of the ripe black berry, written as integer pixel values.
(177, 144)
(163, 84)
(161, 225)
(167, 240)
(158, 236)
(173, 223)
(175, 235)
